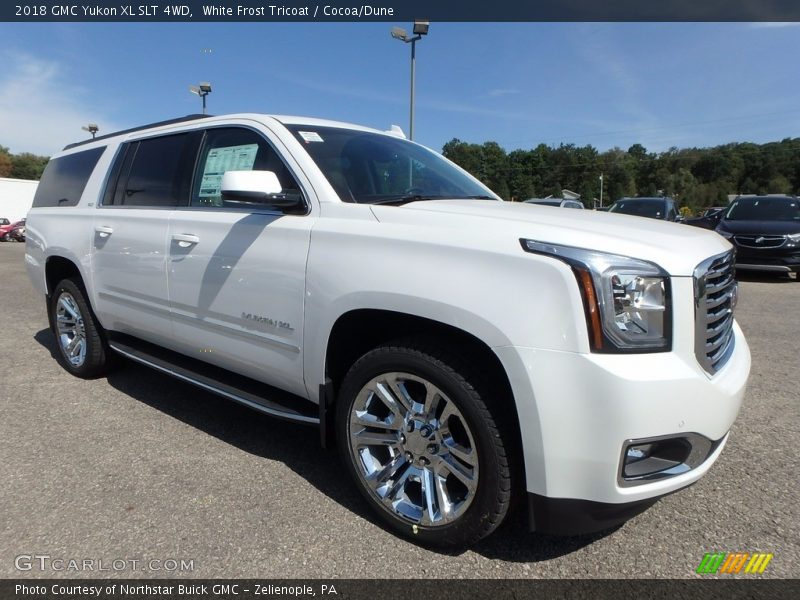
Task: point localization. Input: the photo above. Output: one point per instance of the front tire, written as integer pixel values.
(417, 436)
(82, 349)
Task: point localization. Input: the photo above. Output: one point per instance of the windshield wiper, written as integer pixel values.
(398, 200)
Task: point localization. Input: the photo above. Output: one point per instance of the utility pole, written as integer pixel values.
(601, 190)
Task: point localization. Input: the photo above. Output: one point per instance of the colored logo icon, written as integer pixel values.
(734, 562)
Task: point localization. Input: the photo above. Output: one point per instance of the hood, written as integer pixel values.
(675, 247)
(761, 227)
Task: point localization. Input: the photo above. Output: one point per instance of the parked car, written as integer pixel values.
(5, 230)
(664, 209)
(709, 219)
(765, 231)
(566, 203)
(300, 267)
(17, 234)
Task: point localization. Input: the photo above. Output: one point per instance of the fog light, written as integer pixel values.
(658, 457)
(635, 453)
(650, 459)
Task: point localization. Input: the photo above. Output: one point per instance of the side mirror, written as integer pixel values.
(258, 187)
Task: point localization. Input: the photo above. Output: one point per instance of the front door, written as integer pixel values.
(236, 270)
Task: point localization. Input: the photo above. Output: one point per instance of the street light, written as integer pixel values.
(91, 128)
(202, 90)
(398, 33)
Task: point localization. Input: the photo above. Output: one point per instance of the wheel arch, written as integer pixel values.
(56, 268)
(359, 330)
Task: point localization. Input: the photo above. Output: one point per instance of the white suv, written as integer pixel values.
(462, 351)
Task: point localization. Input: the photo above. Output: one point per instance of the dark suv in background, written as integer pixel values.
(664, 209)
(765, 231)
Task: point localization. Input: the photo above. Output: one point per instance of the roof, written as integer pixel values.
(283, 119)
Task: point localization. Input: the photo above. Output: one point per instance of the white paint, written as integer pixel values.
(16, 197)
(264, 292)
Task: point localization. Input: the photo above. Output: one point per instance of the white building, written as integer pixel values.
(16, 197)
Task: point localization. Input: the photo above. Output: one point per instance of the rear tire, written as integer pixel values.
(81, 345)
(416, 434)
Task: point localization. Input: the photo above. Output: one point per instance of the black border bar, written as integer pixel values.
(398, 10)
(732, 588)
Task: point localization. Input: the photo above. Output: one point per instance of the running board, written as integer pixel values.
(253, 394)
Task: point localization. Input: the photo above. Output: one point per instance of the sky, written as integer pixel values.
(519, 84)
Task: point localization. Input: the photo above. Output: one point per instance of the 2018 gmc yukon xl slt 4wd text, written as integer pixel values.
(461, 351)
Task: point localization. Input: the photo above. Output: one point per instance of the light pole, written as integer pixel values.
(91, 128)
(398, 33)
(601, 190)
(202, 90)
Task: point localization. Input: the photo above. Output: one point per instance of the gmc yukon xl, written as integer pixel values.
(461, 351)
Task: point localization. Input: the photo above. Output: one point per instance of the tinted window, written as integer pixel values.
(640, 208)
(159, 173)
(764, 209)
(65, 177)
(236, 149)
(374, 168)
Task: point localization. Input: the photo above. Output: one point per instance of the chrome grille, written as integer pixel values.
(715, 292)
(760, 241)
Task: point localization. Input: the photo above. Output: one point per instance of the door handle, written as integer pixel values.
(104, 231)
(185, 239)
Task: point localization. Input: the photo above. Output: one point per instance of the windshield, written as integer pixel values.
(372, 168)
(641, 208)
(764, 209)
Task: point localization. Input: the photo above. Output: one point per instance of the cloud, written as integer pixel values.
(504, 92)
(40, 109)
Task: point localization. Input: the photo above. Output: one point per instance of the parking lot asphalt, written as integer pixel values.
(138, 466)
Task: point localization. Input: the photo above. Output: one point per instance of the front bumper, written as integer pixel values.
(777, 259)
(577, 411)
(566, 516)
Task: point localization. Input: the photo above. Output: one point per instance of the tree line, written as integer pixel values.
(21, 166)
(696, 177)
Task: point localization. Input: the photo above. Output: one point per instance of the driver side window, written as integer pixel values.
(235, 149)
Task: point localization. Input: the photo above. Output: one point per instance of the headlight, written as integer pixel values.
(794, 238)
(626, 300)
(724, 233)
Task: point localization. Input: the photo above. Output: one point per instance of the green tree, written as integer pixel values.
(6, 165)
(28, 166)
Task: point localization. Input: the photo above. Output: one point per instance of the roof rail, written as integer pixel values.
(193, 117)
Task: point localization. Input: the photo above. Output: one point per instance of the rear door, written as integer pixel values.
(236, 269)
(150, 178)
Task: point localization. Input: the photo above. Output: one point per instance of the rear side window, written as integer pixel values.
(64, 178)
(154, 172)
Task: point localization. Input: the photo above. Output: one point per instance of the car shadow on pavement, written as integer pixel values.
(766, 277)
(298, 447)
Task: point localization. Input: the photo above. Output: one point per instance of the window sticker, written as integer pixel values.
(310, 136)
(219, 160)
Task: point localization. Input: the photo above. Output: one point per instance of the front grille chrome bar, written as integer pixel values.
(715, 294)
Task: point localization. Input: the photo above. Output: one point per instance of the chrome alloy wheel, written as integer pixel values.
(413, 449)
(70, 329)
